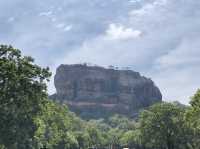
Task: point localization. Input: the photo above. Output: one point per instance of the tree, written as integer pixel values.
(162, 126)
(22, 94)
(2, 147)
(193, 120)
(131, 139)
(121, 122)
(55, 128)
(95, 136)
(83, 139)
(194, 112)
(114, 136)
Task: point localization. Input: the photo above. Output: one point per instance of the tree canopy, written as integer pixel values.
(22, 94)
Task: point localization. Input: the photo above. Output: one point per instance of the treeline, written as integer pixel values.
(28, 120)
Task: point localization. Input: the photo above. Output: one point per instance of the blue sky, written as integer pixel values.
(159, 38)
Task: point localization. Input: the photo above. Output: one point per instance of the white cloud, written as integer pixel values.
(178, 84)
(47, 13)
(148, 8)
(60, 25)
(142, 11)
(11, 19)
(53, 19)
(63, 27)
(187, 53)
(67, 28)
(178, 71)
(119, 32)
(134, 1)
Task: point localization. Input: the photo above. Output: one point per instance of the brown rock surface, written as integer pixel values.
(94, 92)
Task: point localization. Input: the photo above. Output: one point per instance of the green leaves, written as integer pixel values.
(193, 121)
(22, 90)
(162, 126)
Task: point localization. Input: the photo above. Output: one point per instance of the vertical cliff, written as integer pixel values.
(94, 92)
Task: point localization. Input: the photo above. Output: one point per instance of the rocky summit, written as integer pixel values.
(97, 92)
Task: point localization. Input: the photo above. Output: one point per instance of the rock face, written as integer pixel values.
(95, 92)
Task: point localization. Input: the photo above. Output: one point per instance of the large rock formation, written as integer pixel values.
(94, 92)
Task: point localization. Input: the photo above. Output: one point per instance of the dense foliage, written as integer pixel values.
(28, 120)
(22, 94)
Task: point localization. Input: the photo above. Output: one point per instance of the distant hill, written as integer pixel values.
(97, 92)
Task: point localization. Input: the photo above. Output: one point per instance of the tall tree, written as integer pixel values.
(55, 128)
(162, 126)
(193, 120)
(22, 94)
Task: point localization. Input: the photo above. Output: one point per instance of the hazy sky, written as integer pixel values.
(159, 38)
